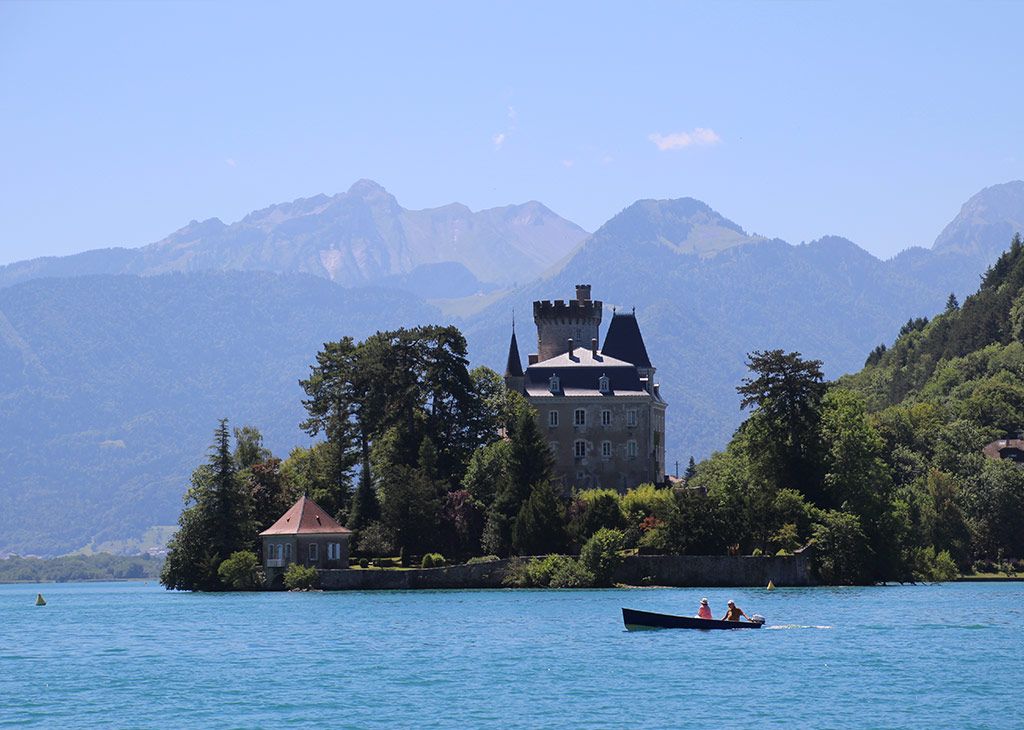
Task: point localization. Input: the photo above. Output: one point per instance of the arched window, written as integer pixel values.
(287, 551)
(602, 384)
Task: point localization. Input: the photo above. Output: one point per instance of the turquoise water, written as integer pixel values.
(133, 655)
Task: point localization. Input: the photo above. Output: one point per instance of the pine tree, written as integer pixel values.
(691, 470)
(540, 525)
(365, 507)
(951, 303)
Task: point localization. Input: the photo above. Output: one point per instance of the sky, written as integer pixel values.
(121, 122)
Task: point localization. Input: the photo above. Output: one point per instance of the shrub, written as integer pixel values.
(927, 565)
(384, 562)
(483, 559)
(375, 540)
(301, 577)
(595, 508)
(653, 540)
(432, 560)
(241, 571)
(645, 501)
(569, 573)
(600, 555)
(757, 552)
(364, 563)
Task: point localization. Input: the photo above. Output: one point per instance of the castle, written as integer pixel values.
(601, 410)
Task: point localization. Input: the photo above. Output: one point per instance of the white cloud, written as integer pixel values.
(499, 140)
(699, 137)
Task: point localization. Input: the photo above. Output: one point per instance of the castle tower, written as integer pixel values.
(559, 321)
(514, 366)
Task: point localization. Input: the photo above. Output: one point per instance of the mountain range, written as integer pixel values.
(111, 382)
(359, 237)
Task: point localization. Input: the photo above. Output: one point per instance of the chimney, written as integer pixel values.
(657, 390)
(583, 292)
(572, 349)
(593, 347)
(534, 358)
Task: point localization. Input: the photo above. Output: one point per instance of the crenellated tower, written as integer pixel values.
(559, 321)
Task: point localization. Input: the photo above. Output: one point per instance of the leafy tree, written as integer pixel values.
(842, 554)
(313, 472)
(267, 494)
(301, 577)
(462, 523)
(600, 554)
(376, 541)
(592, 510)
(241, 571)
(539, 527)
(249, 447)
(487, 471)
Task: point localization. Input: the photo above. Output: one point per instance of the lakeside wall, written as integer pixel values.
(653, 570)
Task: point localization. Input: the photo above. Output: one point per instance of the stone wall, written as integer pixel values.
(658, 570)
(715, 570)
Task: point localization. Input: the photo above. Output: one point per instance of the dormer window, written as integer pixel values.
(602, 384)
(553, 384)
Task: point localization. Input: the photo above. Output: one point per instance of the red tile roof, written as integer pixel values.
(305, 517)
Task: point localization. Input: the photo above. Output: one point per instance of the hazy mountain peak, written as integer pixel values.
(986, 222)
(685, 225)
(365, 188)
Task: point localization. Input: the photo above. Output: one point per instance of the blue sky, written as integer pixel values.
(121, 122)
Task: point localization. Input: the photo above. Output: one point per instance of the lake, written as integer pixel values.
(130, 655)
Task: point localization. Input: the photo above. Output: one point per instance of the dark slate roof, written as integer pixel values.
(579, 375)
(514, 367)
(624, 341)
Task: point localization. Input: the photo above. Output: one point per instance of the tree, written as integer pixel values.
(785, 394)
(842, 554)
(266, 492)
(249, 447)
(365, 506)
(600, 555)
(539, 527)
(410, 495)
(952, 304)
(691, 470)
(487, 471)
(216, 521)
(241, 571)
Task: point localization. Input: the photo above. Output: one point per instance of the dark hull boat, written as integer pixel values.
(642, 620)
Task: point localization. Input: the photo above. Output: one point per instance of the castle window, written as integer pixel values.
(314, 552)
(606, 418)
(552, 419)
(602, 384)
(631, 449)
(606, 449)
(553, 384)
(631, 417)
(579, 449)
(579, 418)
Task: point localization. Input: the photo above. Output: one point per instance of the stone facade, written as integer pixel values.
(600, 409)
(306, 535)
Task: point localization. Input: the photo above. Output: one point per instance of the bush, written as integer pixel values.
(595, 508)
(384, 562)
(432, 560)
(241, 571)
(301, 578)
(600, 555)
(927, 565)
(364, 563)
(375, 541)
(654, 541)
(483, 559)
(646, 501)
(554, 571)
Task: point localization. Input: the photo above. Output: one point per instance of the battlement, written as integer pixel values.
(574, 309)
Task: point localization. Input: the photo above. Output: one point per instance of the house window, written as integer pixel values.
(280, 551)
(606, 418)
(553, 445)
(606, 449)
(314, 552)
(553, 384)
(631, 449)
(602, 384)
(579, 418)
(631, 417)
(287, 551)
(334, 551)
(579, 449)
(552, 419)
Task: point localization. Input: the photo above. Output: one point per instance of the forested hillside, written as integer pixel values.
(884, 468)
(109, 386)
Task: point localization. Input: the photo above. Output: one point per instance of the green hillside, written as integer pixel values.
(884, 468)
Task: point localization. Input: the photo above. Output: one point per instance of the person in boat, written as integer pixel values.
(734, 612)
(705, 610)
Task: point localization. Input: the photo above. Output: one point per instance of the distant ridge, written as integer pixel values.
(354, 238)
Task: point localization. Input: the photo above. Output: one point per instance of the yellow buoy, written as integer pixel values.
(771, 586)
(40, 601)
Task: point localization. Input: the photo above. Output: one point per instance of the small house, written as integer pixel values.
(306, 535)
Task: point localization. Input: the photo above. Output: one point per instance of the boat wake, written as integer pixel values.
(797, 626)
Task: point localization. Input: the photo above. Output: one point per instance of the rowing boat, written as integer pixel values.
(641, 620)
